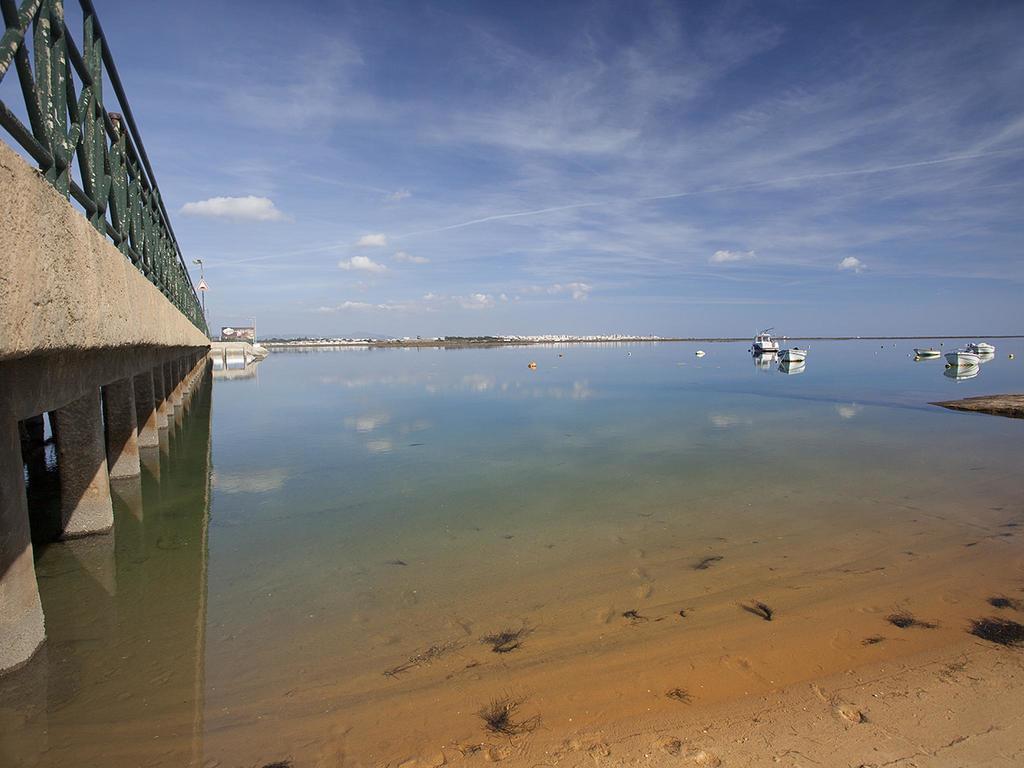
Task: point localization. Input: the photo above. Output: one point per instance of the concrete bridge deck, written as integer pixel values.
(88, 340)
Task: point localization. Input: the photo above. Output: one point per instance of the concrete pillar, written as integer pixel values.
(158, 396)
(177, 374)
(82, 464)
(148, 433)
(21, 613)
(122, 437)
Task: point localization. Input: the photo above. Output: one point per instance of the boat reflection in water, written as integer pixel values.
(764, 361)
(961, 372)
(792, 368)
(984, 357)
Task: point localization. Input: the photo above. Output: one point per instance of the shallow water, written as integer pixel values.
(356, 508)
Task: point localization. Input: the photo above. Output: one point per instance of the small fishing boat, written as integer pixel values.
(700, 353)
(926, 353)
(981, 348)
(794, 355)
(962, 358)
(764, 342)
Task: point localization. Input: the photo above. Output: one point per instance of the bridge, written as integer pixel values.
(102, 338)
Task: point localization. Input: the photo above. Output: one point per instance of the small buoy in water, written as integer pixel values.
(532, 365)
(560, 354)
(629, 354)
(1011, 356)
(700, 353)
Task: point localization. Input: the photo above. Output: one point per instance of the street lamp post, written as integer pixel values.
(202, 283)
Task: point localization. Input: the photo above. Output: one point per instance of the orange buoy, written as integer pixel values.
(532, 365)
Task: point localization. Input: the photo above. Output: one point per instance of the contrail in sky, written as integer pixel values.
(714, 190)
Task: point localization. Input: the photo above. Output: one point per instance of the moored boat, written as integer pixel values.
(926, 352)
(794, 355)
(981, 348)
(764, 342)
(962, 358)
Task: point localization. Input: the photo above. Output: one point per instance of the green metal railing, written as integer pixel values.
(117, 188)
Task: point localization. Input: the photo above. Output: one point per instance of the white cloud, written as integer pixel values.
(408, 258)
(375, 240)
(476, 301)
(579, 291)
(724, 257)
(250, 207)
(398, 194)
(362, 264)
(852, 262)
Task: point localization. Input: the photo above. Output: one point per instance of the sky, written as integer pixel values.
(671, 168)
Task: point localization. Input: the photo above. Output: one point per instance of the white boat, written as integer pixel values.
(962, 358)
(926, 352)
(794, 355)
(981, 348)
(700, 353)
(764, 342)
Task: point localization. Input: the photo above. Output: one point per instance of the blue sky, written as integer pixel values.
(531, 167)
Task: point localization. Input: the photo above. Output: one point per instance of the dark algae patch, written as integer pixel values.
(679, 694)
(707, 562)
(998, 630)
(1000, 601)
(873, 640)
(505, 641)
(759, 609)
(634, 616)
(906, 620)
(499, 717)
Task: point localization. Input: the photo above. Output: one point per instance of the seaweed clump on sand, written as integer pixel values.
(707, 562)
(505, 641)
(279, 764)
(997, 630)
(1005, 602)
(873, 640)
(905, 620)
(679, 694)
(634, 616)
(760, 609)
(499, 717)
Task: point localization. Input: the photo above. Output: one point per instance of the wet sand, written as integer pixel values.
(997, 405)
(598, 677)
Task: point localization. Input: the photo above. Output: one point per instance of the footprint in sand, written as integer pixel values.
(640, 573)
(849, 714)
(671, 746)
(644, 591)
(605, 615)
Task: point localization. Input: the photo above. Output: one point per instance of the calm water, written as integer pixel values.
(336, 513)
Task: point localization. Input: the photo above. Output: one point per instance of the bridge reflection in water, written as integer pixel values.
(120, 679)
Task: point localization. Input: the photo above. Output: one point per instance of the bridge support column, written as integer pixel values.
(122, 435)
(21, 613)
(145, 411)
(85, 504)
(159, 399)
(177, 377)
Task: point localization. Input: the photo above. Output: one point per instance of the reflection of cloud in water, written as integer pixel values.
(478, 382)
(259, 481)
(378, 446)
(728, 420)
(415, 426)
(368, 422)
(849, 410)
